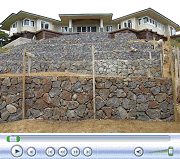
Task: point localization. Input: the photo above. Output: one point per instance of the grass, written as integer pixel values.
(175, 42)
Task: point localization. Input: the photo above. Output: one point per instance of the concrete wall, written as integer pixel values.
(70, 98)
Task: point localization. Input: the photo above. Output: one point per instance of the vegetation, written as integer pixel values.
(3, 38)
(175, 42)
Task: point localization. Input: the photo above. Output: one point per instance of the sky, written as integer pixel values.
(51, 8)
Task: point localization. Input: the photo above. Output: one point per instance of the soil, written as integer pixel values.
(89, 126)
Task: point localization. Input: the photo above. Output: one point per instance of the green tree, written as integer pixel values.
(3, 38)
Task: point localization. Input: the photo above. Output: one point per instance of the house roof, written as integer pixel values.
(152, 13)
(104, 16)
(21, 15)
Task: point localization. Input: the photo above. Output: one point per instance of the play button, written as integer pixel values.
(138, 151)
(17, 151)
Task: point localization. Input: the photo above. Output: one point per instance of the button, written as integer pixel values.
(17, 151)
(87, 151)
(138, 151)
(75, 151)
(50, 151)
(31, 151)
(63, 151)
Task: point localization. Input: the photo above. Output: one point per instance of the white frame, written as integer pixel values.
(16, 25)
(126, 21)
(86, 29)
(44, 24)
(30, 20)
(151, 23)
(64, 27)
(108, 29)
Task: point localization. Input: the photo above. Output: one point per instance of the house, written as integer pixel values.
(143, 23)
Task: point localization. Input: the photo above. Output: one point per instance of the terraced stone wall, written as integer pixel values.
(70, 98)
(73, 53)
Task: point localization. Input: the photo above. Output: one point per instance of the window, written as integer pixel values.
(159, 26)
(125, 25)
(171, 31)
(14, 25)
(32, 23)
(119, 26)
(44, 25)
(108, 28)
(129, 24)
(156, 24)
(26, 22)
(145, 20)
(163, 27)
(140, 21)
(86, 29)
(64, 29)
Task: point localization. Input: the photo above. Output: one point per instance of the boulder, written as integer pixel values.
(5, 115)
(11, 108)
(82, 98)
(161, 97)
(120, 93)
(54, 92)
(122, 112)
(108, 111)
(99, 103)
(104, 93)
(12, 98)
(66, 95)
(155, 90)
(153, 113)
(35, 113)
(80, 110)
(66, 85)
(72, 105)
(113, 102)
(6, 82)
(47, 98)
(77, 87)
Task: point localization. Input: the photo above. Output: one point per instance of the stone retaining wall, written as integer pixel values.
(70, 98)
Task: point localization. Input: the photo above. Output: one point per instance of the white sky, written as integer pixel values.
(51, 8)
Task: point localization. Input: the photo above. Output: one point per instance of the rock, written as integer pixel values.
(71, 114)
(36, 81)
(47, 88)
(48, 112)
(11, 108)
(155, 90)
(6, 82)
(132, 85)
(2, 105)
(108, 84)
(137, 91)
(82, 98)
(59, 112)
(160, 97)
(164, 106)
(149, 84)
(104, 93)
(143, 117)
(80, 111)
(107, 111)
(74, 96)
(131, 96)
(39, 93)
(56, 84)
(113, 88)
(165, 115)
(113, 102)
(46, 98)
(35, 113)
(153, 105)
(54, 92)
(128, 104)
(12, 98)
(122, 112)
(142, 107)
(14, 81)
(5, 115)
(99, 114)
(99, 103)
(141, 99)
(120, 93)
(39, 104)
(153, 113)
(66, 95)
(30, 93)
(66, 85)
(72, 104)
(77, 87)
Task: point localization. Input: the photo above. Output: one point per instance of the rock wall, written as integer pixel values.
(72, 53)
(70, 98)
